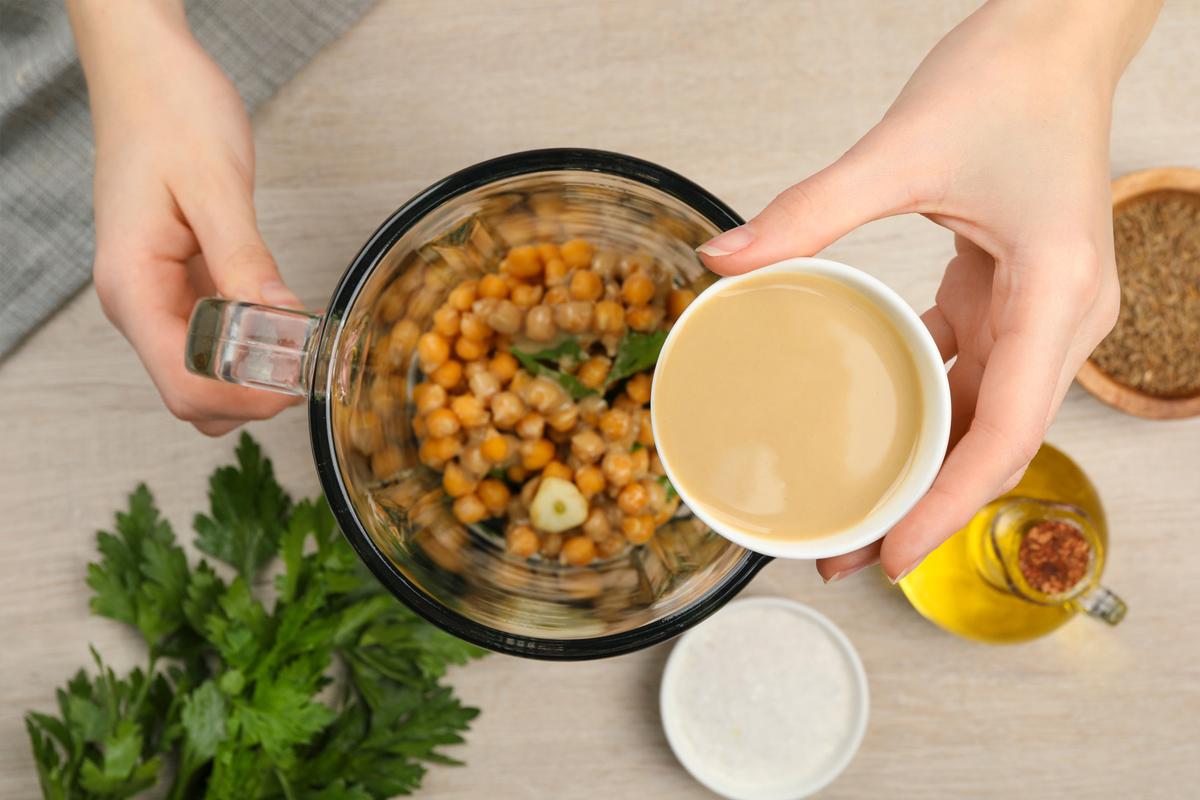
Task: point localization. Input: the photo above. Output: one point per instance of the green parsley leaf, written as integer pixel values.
(143, 575)
(249, 510)
(238, 706)
(636, 353)
(671, 493)
(533, 364)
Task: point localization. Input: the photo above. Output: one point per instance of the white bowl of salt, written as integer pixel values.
(767, 700)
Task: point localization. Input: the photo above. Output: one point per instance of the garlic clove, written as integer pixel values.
(557, 506)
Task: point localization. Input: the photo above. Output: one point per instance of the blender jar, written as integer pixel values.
(357, 365)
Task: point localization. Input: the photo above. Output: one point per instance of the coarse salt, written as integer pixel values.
(762, 698)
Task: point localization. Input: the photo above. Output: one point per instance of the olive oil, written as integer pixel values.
(970, 585)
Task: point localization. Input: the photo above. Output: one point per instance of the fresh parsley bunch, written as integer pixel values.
(230, 695)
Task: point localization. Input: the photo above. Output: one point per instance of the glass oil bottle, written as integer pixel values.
(979, 584)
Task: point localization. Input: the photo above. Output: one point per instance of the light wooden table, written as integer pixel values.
(745, 98)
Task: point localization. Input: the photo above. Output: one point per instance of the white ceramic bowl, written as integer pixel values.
(935, 420)
(678, 722)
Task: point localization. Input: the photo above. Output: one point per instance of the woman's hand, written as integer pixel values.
(1001, 136)
(174, 198)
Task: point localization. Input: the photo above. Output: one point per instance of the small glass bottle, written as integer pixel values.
(992, 582)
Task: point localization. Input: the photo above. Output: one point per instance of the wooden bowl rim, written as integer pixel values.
(1099, 383)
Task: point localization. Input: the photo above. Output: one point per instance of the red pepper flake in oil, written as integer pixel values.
(1053, 556)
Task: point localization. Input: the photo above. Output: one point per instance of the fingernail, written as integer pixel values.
(728, 242)
(846, 573)
(276, 293)
(904, 574)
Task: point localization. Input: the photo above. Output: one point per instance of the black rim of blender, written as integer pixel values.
(320, 424)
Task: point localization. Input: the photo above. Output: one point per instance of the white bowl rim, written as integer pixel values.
(935, 431)
(820, 779)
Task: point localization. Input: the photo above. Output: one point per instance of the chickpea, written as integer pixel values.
(678, 301)
(556, 296)
(577, 253)
(656, 495)
(536, 453)
(531, 426)
(556, 272)
(542, 394)
(419, 427)
(462, 296)
(493, 286)
(596, 526)
(472, 369)
(589, 480)
(529, 490)
(557, 469)
(610, 317)
(579, 551)
(634, 262)
(644, 318)
(551, 544)
(593, 372)
(402, 340)
(564, 419)
(469, 508)
(524, 262)
(633, 499)
(626, 403)
(473, 327)
(445, 321)
(470, 349)
(507, 410)
(549, 252)
(443, 449)
(516, 473)
(637, 290)
(521, 541)
(469, 411)
(448, 374)
(432, 349)
(473, 461)
(614, 544)
(641, 462)
(505, 365)
(494, 448)
(526, 296)
(456, 481)
(616, 424)
(575, 316)
(638, 388)
(386, 462)
(586, 285)
(485, 385)
(590, 409)
(645, 430)
(505, 318)
(442, 422)
(667, 511)
(495, 495)
(656, 467)
(639, 529)
(617, 467)
(429, 397)
(587, 446)
(519, 381)
(539, 323)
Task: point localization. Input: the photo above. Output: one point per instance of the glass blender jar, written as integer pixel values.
(357, 365)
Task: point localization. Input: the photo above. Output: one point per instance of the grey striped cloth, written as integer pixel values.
(46, 225)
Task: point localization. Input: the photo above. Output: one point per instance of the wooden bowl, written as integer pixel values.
(1144, 185)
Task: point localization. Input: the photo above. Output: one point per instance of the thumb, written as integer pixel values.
(809, 216)
(238, 260)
